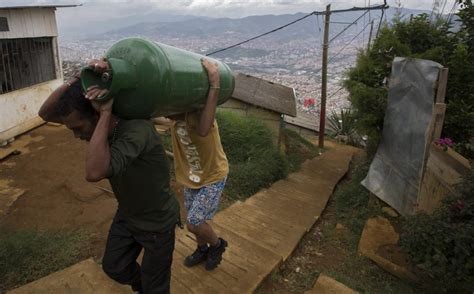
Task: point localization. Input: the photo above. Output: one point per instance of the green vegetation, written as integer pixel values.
(27, 255)
(344, 124)
(255, 160)
(418, 38)
(334, 251)
(443, 243)
(297, 149)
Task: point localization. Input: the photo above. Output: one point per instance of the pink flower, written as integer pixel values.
(308, 102)
(445, 142)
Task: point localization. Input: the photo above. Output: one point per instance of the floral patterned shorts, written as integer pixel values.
(202, 204)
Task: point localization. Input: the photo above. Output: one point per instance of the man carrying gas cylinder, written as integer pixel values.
(129, 153)
(201, 167)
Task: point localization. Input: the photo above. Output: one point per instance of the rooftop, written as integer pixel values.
(266, 94)
(37, 5)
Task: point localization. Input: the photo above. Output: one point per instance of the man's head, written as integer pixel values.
(77, 113)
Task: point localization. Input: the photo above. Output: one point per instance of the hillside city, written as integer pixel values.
(295, 64)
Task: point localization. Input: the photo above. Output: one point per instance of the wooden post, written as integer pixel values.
(370, 35)
(322, 116)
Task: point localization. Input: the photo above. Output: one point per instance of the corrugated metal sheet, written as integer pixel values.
(29, 23)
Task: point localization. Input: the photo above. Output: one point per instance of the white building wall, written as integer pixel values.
(19, 109)
(29, 23)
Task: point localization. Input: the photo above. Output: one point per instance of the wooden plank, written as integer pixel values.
(258, 261)
(447, 168)
(327, 285)
(442, 85)
(233, 270)
(439, 114)
(83, 277)
(266, 94)
(260, 215)
(21, 128)
(178, 287)
(432, 191)
(274, 195)
(291, 233)
(190, 278)
(216, 280)
(266, 239)
(444, 169)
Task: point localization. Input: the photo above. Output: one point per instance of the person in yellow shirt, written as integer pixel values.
(201, 167)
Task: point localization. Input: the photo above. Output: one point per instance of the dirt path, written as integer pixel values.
(262, 232)
(51, 171)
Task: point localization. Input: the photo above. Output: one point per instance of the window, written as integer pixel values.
(26, 62)
(4, 24)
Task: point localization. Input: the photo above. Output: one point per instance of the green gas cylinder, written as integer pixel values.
(149, 79)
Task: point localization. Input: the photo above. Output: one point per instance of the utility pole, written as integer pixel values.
(370, 35)
(324, 78)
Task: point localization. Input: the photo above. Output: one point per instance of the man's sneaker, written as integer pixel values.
(198, 256)
(215, 255)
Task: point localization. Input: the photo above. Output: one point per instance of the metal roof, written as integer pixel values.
(38, 6)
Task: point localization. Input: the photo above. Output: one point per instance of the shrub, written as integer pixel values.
(418, 38)
(443, 243)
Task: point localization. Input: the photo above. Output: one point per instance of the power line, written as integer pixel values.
(451, 13)
(348, 43)
(344, 47)
(348, 26)
(261, 35)
(444, 6)
(337, 91)
(319, 29)
(380, 22)
(382, 6)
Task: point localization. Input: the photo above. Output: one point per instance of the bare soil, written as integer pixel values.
(57, 197)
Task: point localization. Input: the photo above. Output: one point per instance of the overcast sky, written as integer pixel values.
(211, 8)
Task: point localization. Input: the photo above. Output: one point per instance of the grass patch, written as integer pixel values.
(254, 160)
(27, 255)
(298, 149)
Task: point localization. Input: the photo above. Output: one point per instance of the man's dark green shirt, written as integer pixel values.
(139, 176)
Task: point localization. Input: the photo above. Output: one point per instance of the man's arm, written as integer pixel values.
(98, 151)
(48, 111)
(208, 114)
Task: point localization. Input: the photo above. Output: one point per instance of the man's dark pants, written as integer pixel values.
(124, 246)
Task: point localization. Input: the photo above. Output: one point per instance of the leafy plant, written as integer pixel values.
(443, 243)
(418, 38)
(344, 124)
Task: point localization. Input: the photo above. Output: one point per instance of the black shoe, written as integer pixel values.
(198, 256)
(214, 257)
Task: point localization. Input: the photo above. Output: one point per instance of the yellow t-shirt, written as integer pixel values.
(198, 161)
